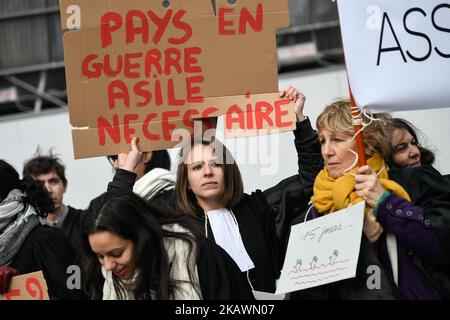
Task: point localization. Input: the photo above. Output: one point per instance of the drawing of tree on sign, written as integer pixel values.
(334, 256)
(318, 271)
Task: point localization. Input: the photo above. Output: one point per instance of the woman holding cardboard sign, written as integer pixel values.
(249, 227)
(209, 186)
(392, 224)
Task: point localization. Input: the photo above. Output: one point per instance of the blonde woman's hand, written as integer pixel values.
(367, 186)
(372, 228)
(298, 98)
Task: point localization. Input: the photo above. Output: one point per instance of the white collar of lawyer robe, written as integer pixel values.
(226, 233)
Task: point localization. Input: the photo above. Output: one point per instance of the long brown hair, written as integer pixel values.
(127, 215)
(233, 188)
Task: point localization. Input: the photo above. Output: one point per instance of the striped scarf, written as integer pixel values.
(16, 222)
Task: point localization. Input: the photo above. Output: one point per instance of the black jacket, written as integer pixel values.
(264, 218)
(72, 227)
(257, 230)
(289, 198)
(47, 249)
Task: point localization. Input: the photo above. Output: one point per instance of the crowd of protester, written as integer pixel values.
(195, 234)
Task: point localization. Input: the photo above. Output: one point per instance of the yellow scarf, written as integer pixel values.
(336, 194)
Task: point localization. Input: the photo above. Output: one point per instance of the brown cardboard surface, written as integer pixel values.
(30, 286)
(201, 64)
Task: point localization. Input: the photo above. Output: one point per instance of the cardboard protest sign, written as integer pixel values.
(145, 68)
(397, 53)
(30, 286)
(323, 250)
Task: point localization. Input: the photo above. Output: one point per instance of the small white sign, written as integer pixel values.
(323, 250)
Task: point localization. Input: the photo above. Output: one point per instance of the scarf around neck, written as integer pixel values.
(16, 222)
(335, 194)
(153, 182)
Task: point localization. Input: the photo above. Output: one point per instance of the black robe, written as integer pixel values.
(72, 228)
(48, 249)
(220, 277)
(258, 234)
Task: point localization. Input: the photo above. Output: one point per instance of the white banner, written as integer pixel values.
(397, 53)
(323, 250)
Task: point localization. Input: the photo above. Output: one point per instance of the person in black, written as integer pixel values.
(262, 219)
(25, 244)
(50, 171)
(150, 178)
(153, 180)
(209, 186)
(146, 253)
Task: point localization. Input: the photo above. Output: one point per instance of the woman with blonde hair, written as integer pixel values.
(390, 210)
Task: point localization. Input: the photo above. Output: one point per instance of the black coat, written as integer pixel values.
(257, 230)
(220, 277)
(264, 218)
(72, 228)
(47, 249)
(290, 198)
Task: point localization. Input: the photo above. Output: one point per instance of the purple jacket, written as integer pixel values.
(415, 236)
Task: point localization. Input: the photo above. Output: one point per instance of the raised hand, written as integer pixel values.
(298, 98)
(129, 161)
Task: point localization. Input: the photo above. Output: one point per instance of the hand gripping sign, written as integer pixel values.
(145, 68)
(397, 53)
(323, 250)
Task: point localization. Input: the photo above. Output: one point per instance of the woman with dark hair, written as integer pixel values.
(209, 186)
(252, 229)
(145, 253)
(27, 246)
(406, 148)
